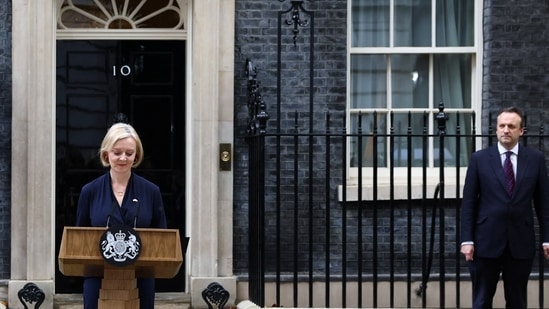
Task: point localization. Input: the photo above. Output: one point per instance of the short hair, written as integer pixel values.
(515, 110)
(115, 133)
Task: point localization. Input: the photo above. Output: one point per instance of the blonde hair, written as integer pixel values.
(117, 132)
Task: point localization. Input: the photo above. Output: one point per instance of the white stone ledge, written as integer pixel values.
(401, 190)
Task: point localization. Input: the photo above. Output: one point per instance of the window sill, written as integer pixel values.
(400, 190)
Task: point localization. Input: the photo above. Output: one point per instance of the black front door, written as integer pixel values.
(145, 81)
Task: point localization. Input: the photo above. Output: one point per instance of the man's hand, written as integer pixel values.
(468, 251)
(546, 251)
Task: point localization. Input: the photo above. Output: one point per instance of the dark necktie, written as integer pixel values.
(509, 174)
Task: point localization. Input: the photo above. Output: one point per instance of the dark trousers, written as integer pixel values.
(485, 274)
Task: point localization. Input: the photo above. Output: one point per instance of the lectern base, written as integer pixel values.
(119, 289)
(118, 304)
(160, 257)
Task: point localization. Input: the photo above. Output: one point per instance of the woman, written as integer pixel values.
(120, 197)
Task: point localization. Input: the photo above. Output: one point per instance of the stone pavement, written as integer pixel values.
(163, 301)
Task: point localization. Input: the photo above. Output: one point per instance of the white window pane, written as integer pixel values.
(452, 80)
(412, 23)
(409, 147)
(362, 150)
(455, 22)
(410, 81)
(370, 23)
(121, 14)
(465, 148)
(368, 81)
(418, 82)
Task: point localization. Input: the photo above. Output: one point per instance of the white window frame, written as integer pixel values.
(400, 179)
(178, 32)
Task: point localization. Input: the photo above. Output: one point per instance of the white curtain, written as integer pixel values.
(452, 79)
(370, 22)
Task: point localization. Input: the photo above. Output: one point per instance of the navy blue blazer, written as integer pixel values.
(491, 217)
(142, 204)
(142, 200)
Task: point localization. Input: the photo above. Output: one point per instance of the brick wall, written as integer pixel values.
(256, 39)
(515, 71)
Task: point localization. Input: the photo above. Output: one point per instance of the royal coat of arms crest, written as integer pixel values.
(120, 246)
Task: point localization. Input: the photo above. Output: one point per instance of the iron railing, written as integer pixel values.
(305, 228)
(314, 224)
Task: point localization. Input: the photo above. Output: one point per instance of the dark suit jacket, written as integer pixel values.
(492, 218)
(142, 199)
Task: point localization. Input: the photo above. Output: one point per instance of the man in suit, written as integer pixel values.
(497, 217)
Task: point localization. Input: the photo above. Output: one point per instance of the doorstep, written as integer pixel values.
(162, 301)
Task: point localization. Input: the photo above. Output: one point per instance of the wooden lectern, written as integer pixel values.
(161, 257)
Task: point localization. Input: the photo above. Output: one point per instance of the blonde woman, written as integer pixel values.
(120, 198)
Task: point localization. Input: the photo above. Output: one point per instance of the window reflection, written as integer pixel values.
(410, 81)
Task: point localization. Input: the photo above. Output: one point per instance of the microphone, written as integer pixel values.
(136, 212)
(110, 214)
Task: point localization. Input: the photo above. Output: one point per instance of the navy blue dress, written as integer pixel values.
(97, 205)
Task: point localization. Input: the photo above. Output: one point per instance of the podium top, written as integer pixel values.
(161, 255)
